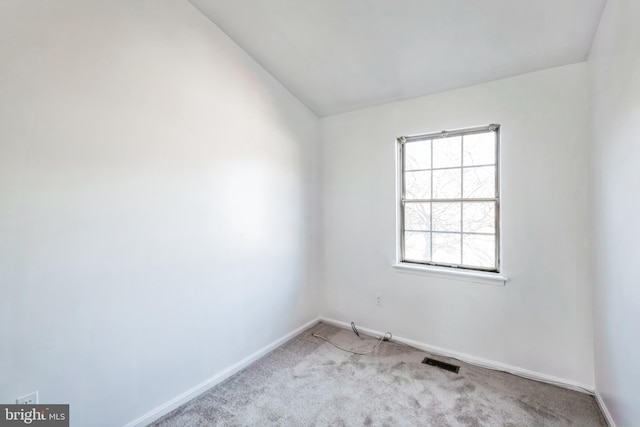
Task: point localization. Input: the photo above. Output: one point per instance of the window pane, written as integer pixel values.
(446, 216)
(416, 246)
(447, 152)
(480, 149)
(478, 250)
(417, 185)
(446, 184)
(479, 182)
(479, 217)
(446, 248)
(443, 220)
(417, 216)
(417, 155)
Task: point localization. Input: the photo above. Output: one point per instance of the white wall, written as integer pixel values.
(541, 320)
(615, 118)
(156, 205)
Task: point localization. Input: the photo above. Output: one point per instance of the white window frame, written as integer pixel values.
(487, 276)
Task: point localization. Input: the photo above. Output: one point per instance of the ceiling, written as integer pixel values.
(340, 55)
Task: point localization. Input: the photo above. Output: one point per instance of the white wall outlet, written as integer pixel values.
(379, 300)
(28, 399)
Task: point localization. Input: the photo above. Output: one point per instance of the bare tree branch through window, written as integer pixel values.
(449, 202)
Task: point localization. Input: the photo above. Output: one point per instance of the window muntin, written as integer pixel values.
(449, 199)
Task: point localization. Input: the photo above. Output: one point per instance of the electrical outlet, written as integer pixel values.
(28, 399)
(379, 300)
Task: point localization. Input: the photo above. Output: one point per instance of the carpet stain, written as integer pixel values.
(468, 421)
(415, 403)
(462, 403)
(536, 412)
(418, 375)
(466, 388)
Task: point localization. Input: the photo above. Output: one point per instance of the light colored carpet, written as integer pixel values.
(309, 382)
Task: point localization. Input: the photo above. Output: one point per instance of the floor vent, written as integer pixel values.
(443, 365)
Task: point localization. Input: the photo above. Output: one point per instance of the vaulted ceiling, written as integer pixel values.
(340, 55)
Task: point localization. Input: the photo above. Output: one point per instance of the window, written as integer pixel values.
(449, 204)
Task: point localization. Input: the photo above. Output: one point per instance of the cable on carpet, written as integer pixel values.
(355, 330)
(386, 337)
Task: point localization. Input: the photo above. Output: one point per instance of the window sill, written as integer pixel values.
(453, 274)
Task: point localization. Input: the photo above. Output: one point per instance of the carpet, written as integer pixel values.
(309, 382)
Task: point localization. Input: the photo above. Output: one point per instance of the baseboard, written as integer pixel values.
(604, 409)
(473, 360)
(169, 406)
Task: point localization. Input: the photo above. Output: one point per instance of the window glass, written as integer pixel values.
(449, 200)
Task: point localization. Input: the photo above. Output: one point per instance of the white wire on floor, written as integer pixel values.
(385, 337)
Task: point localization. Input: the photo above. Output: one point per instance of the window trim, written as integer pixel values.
(465, 275)
(489, 275)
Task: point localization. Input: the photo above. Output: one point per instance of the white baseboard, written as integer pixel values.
(604, 409)
(169, 406)
(473, 360)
